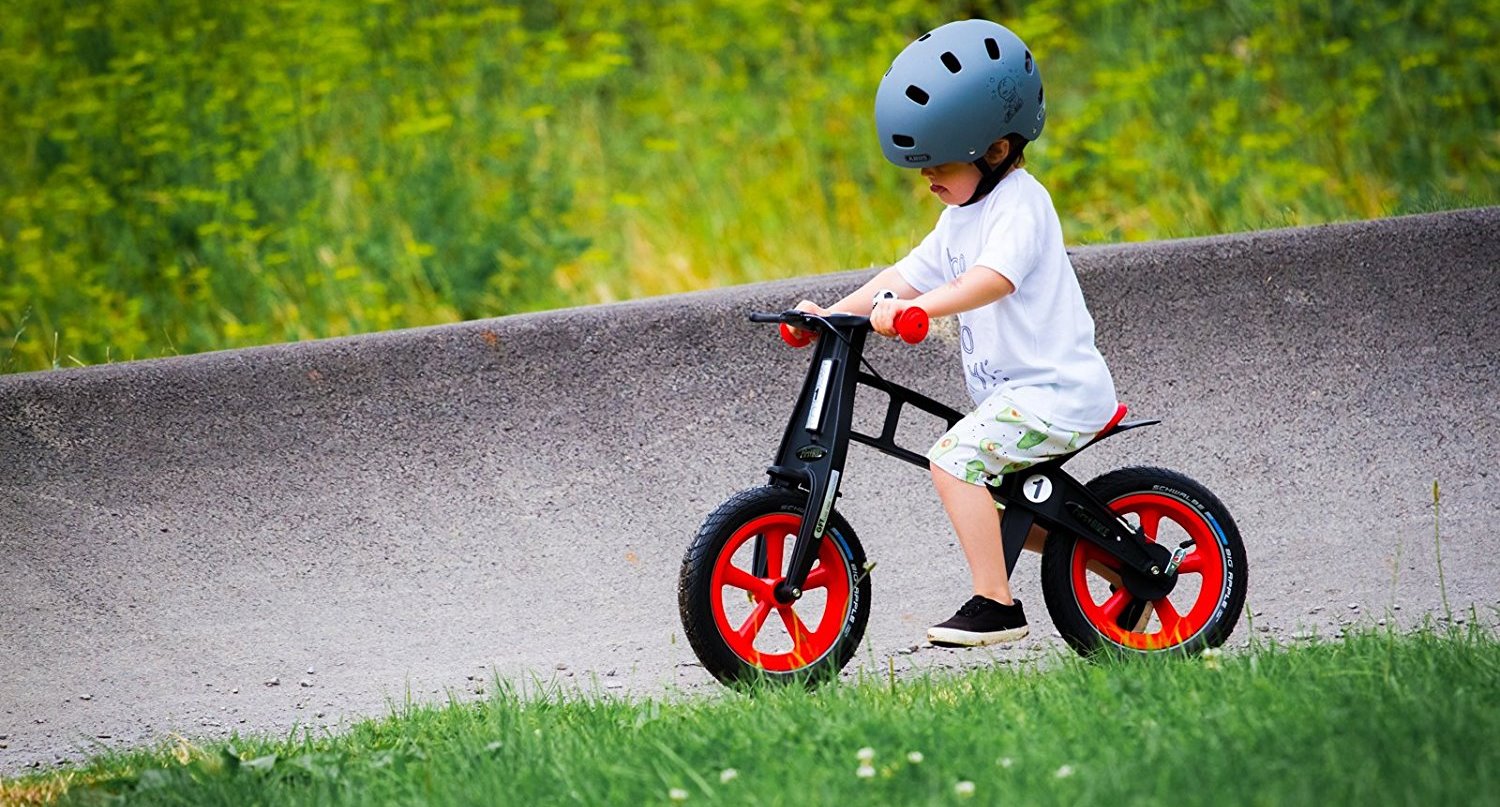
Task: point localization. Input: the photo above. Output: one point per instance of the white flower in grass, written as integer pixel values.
(677, 794)
(1211, 658)
(865, 772)
(1064, 772)
(914, 757)
(1006, 762)
(728, 775)
(963, 789)
(865, 754)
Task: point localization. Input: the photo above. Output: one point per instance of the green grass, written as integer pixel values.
(178, 176)
(1376, 718)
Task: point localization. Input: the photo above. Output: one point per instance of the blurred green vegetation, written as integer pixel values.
(185, 175)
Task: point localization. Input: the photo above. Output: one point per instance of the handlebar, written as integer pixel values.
(911, 325)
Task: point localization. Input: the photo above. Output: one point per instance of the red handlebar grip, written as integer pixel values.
(795, 338)
(911, 325)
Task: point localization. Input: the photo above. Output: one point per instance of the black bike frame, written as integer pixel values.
(816, 442)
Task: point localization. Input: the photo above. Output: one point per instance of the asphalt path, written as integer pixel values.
(300, 535)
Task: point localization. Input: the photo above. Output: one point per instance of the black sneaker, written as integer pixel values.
(981, 621)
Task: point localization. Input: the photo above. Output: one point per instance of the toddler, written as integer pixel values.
(960, 104)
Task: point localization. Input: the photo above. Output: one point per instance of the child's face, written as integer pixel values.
(953, 183)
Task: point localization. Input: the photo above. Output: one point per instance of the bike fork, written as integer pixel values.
(814, 446)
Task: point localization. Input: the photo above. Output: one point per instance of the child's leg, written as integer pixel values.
(972, 511)
(997, 438)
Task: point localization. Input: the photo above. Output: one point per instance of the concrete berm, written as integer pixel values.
(300, 534)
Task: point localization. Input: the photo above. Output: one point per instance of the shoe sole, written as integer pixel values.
(949, 637)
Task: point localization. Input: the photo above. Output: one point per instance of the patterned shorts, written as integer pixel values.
(1000, 438)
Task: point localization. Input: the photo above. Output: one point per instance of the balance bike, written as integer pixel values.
(776, 586)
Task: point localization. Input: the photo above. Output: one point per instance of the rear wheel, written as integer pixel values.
(1093, 611)
(725, 593)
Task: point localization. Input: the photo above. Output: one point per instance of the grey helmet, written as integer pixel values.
(956, 90)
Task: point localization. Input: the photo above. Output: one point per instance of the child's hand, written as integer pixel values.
(883, 318)
(812, 308)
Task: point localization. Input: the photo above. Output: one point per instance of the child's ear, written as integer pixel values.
(997, 152)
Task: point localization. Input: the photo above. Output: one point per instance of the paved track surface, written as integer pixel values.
(385, 516)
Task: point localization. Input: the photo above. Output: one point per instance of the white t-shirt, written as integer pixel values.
(1037, 342)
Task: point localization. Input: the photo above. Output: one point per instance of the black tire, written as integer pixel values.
(1192, 509)
(845, 599)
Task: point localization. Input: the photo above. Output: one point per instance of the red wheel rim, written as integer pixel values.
(830, 574)
(1177, 621)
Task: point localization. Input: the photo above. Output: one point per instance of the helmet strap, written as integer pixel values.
(991, 175)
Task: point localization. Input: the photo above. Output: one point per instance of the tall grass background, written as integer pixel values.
(182, 175)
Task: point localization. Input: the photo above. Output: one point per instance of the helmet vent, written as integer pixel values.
(951, 62)
(917, 94)
(993, 48)
(904, 141)
(1029, 66)
(924, 37)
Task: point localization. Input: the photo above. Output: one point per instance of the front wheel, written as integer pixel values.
(1081, 582)
(737, 628)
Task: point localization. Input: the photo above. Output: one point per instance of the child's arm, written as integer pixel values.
(979, 286)
(861, 299)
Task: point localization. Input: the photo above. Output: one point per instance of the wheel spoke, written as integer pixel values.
(817, 578)
(739, 578)
(801, 646)
(1150, 520)
(1171, 621)
(1192, 564)
(1116, 603)
(775, 547)
(755, 622)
